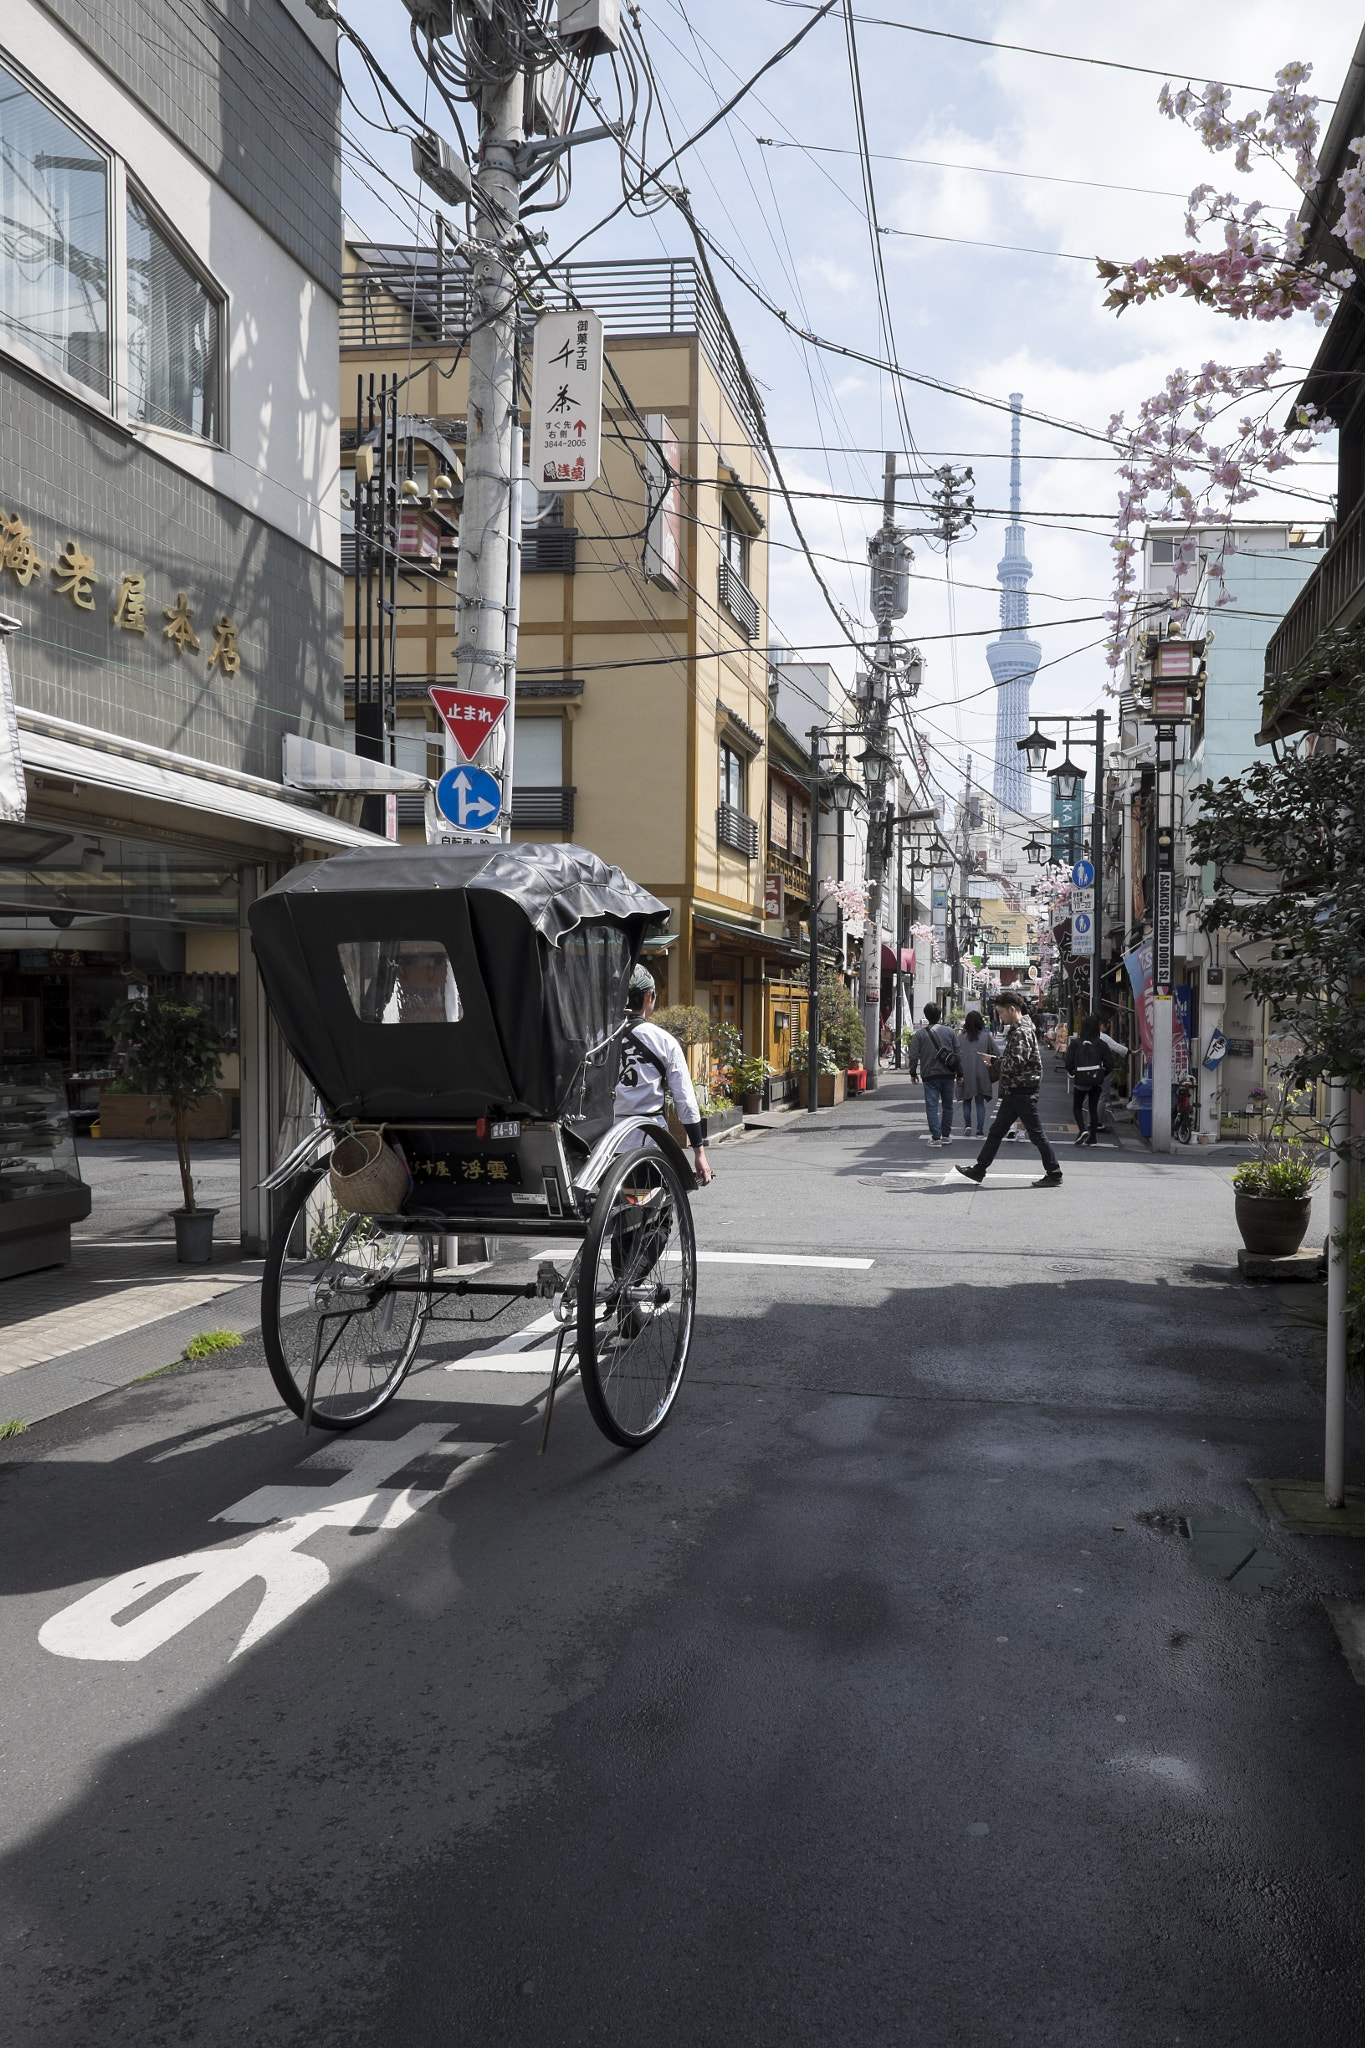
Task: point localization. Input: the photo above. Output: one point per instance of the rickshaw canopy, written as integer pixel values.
(454, 981)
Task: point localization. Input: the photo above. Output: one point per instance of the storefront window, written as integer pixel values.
(54, 253)
(83, 915)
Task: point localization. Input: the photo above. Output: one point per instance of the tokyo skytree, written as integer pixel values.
(1013, 657)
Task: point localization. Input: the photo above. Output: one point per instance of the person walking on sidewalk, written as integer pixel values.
(1089, 1063)
(974, 1048)
(1021, 1076)
(933, 1059)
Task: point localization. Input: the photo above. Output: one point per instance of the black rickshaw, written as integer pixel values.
(459, 1011)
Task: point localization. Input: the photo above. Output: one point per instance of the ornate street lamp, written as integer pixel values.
(844, 791)
(1035, 851)
(1066, 778)
(1035, 748)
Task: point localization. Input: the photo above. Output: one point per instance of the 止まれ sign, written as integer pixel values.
(566, 402)
(469, 718)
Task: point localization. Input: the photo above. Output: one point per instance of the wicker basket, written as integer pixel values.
(367, 1176)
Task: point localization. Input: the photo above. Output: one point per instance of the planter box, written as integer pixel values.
(711, 1126)
(144, 1116)
(830, 1090)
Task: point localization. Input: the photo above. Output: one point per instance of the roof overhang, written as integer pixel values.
(89, 759)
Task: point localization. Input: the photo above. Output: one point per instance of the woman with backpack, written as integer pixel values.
(1089, 1063)
(975, 1048)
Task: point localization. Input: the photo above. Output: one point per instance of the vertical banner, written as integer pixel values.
(566, 402)
(1139, 965)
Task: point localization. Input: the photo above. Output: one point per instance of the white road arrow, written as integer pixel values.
(472, 810)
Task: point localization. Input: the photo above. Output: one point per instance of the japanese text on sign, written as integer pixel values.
(566, 402)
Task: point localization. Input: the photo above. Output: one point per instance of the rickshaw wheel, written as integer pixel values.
(323, 1296)
(637, 1291)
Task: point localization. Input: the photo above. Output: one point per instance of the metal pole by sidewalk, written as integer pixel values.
(1338, 1202)
(813, 966)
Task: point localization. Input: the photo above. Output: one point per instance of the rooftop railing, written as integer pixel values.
(425, 294)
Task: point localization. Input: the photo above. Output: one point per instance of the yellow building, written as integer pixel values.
(642, 687)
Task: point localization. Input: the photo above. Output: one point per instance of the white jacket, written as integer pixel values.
(641, 1089)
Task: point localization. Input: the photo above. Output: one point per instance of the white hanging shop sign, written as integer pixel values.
(566, 402)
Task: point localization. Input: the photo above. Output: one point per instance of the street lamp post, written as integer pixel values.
(843, 791)
(901, 820)
(1067, 777)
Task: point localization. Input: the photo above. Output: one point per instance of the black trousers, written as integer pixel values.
(1079, 1098)
(1021, 1106)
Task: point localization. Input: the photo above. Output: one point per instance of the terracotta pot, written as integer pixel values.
(1273, 1226)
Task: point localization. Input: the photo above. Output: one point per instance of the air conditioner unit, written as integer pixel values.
(594, 25)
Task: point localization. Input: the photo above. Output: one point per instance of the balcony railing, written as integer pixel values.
(549, 551)
(794, 873)
(536, 807)
(739, 601)
(404, 294)
(1333, 595)
(736, 830)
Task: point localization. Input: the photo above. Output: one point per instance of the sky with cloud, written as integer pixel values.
(1052, 161)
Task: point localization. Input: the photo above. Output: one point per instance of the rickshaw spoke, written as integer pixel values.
(342, 1278)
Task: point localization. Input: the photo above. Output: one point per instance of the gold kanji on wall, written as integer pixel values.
(17, 552)
(226, 655)
(74, 575)
(180, 632)
(130, 607)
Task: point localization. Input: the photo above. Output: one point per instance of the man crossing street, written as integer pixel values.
(1021, 1076)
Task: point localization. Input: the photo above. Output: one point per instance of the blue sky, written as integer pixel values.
(993, 319)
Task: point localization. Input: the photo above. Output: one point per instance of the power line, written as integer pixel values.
(930, 163)
(947, 35)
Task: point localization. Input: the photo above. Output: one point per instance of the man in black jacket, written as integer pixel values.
(1021, 1076)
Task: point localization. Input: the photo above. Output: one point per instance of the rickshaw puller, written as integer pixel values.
(653, 1067)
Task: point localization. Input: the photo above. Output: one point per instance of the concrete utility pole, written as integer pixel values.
(890, 558)
(493, 448)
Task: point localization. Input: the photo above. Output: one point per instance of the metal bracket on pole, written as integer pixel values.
(532, 155)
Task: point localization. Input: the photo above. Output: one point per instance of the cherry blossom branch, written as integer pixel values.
(1176, 462)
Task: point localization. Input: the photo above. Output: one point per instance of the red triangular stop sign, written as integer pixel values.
(469, 719)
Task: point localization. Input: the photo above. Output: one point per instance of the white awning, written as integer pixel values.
(308, 765)
(84, 755)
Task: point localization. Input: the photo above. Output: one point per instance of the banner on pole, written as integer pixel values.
(566, 402)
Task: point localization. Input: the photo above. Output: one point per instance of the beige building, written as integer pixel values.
(642, 690)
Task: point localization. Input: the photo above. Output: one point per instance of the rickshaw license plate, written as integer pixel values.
(466, 1170)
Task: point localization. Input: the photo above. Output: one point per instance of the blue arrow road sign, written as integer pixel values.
(1083, 875)
(469, 798)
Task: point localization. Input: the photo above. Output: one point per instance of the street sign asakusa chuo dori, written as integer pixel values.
(566, 402)
(470, 798)
(470, 719)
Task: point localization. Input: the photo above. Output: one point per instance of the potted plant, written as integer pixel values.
(171, 1053)
(1274, 1199)
(748, 1078)
(830, 1077)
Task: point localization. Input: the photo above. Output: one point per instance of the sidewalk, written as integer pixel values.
(123, 1307)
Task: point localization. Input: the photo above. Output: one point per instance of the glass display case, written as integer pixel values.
(41, 1190)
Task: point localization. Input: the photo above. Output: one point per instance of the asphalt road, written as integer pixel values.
(880, 1700)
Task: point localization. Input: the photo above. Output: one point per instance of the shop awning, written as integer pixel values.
(309, 765)
(743, 938)
(80, 754)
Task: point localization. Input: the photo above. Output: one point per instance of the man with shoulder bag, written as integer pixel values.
(933, 1059)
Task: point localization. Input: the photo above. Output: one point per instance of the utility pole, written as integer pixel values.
(890, 558)
(493, 447)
